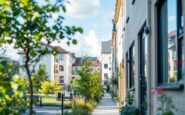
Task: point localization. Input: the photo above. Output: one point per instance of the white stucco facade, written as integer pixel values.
(106, 59)
(58, 68)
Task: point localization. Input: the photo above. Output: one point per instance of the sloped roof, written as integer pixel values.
(93, 61)
(106, 46)
(78, 61)
(59, 48)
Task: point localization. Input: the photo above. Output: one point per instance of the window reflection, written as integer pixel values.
(170, 41)
(172, 47)
(132, 65)
(180, 18)
(172, 56)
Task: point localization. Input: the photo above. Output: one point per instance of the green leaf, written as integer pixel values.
(74, 41)
(2, 1)
(68, 30)
(37, 37)
(64, 9)
(79, 30)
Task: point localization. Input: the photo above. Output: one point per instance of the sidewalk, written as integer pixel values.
(106, 106)
(45, 110)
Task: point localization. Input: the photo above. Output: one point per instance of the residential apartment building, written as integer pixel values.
(94, 64)
(106, 62)
(58, 67)
(153, 52)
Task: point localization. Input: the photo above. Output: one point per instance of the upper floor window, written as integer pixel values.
(61, 68)
(105, 76)
(105, 66)
(170, 37)
(56, 59)
(61, 79)
(56, 69)
(61, 57)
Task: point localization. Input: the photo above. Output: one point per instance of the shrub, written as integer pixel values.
(78, 111)
(129, 109)
(167, 105)
(90, 105)
(48, 87)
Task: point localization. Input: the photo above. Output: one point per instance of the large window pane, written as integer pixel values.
(170, 26)
(180, 17)
(132, 66)
(172, 57)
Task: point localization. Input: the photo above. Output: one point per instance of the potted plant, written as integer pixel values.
(167, 105)
(129, 108)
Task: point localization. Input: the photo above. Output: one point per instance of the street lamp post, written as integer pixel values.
(62, 103)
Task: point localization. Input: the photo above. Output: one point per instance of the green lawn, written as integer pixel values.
(51, 101)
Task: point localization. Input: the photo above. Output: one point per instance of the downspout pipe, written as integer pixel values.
(149, 98)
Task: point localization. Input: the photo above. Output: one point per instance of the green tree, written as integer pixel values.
(39, 77)
(27, 26)
(12, 91)
(45, 88)
(48, 87)
(89, 83)
(55, 87)
(95, 86)
(81, 85)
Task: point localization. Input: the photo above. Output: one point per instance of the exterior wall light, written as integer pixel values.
(146, 30)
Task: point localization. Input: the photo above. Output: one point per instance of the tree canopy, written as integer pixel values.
(89, 83)
(30, 27)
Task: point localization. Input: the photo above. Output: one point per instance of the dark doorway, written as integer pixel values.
(143, 70)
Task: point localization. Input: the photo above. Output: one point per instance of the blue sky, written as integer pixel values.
(95, 17)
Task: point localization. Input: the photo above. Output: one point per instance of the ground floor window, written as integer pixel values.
(170, 41)
(131, 66)
(61, 79)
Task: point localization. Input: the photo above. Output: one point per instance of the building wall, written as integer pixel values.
(140, 13)
(120, 35)
(135, 22)
(45, 60)
(49, 62)
(106, 59)
(177, 96)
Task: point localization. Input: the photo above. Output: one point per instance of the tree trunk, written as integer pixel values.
(30, 81)
(31, 89)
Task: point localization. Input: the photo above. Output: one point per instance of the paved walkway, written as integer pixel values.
(106, 106)
(44, 110)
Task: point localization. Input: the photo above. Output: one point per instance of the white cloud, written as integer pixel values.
(107, 18)
(87, 45)
(83, 8)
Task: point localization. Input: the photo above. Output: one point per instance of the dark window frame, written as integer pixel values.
(131, 77)
(179, 38)
(61, 67)
(105, 66)
(61, 79)
(133, 1)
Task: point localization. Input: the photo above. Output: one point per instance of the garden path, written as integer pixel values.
(106, 106)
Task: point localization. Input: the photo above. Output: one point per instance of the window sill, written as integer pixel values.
(172, 86)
